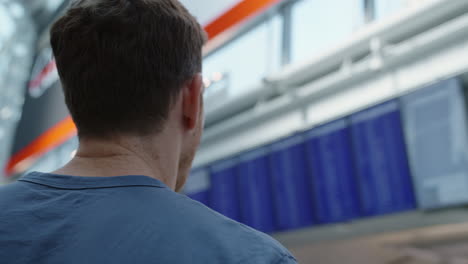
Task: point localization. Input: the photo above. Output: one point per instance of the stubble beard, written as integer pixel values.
(185, 164)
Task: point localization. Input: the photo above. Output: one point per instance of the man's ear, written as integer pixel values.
(191, 101)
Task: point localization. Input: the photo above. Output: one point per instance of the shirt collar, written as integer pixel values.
(78, 182)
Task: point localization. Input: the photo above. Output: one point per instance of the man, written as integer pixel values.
(130, 71)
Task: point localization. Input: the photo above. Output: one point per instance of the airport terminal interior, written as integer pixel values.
(338, 127)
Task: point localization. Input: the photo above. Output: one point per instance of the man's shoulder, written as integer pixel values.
(245, 244)
(9, 192)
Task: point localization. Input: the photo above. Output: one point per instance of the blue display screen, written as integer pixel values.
(255, 191)
(292, 188)
(331, 161)
(224, 192)
(381, 161)
(436, 132)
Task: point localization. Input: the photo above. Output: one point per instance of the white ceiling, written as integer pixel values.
(207, 10)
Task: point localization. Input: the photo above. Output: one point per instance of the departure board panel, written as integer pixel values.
(224, 196)
(331, 161)
(255, 194)
(435, 129)
(381, 162)
(292, 188)
(198, 186)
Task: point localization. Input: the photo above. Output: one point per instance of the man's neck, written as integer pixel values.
(96, 158)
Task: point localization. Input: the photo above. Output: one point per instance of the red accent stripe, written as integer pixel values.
(43, 74)
(52, 138)
(239, 13)
(66, 129)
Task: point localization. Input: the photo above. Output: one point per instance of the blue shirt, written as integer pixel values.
(47, 218)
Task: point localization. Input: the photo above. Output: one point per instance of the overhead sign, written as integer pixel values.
(334, 179)
(292, 184)
(381, 162)
(436, 132)
(255, 196)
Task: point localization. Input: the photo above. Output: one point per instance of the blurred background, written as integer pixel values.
(336, 126)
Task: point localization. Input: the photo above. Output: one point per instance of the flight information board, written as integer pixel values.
(198, 186)
(256, 201)
(381, 162)
(224, 196)
(436, 132)
(292, 188)
(334, 180)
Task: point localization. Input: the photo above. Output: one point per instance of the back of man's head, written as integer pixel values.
(122, 63)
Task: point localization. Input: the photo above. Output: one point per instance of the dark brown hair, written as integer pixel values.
(123, 62)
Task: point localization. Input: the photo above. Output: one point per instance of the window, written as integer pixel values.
(52, 5)
(318, 25)
(8, 25)
(244, 62)
(384, 8)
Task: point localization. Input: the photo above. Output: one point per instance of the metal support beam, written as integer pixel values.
(286, 12)
(369, 10)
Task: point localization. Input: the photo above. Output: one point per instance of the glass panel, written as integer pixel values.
(52, 5)
(243, 63)
(8, 26)
(385, 8)
(319, 25)
(16, 10)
